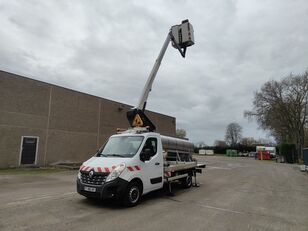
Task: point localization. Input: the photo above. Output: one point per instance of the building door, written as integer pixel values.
(28, 150)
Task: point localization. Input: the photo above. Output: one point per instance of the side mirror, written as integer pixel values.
(145, 154)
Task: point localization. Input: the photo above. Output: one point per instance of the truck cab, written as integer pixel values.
(128, 165)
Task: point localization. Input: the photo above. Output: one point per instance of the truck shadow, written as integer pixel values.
(177, 190)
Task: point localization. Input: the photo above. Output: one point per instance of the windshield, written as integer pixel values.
(121, 146)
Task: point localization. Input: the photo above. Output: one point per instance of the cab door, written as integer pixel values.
(153, 177)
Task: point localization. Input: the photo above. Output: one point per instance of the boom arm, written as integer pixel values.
(148, 85)
(181, 36)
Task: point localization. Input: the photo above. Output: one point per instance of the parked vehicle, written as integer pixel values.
(252, 154)
(139, 160)
(132, 164)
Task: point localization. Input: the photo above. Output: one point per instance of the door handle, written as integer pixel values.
(157, 163)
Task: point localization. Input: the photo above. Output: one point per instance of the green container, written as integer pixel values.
(231, 152)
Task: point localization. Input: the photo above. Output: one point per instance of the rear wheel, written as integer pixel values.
(187, 182)
(132, 195)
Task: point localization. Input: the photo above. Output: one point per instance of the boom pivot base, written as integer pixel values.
(137, 118)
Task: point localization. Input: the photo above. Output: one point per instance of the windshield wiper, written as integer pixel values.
(117, 155)
(101, 154)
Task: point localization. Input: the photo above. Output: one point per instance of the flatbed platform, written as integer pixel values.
(180, 166)
(183, 166)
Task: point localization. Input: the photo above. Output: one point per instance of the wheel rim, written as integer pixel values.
(134, 194)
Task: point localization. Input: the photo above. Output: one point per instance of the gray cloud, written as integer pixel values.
(107, 48)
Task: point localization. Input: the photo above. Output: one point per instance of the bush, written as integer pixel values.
(288, 152)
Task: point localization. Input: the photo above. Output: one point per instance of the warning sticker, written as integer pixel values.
(137, 122)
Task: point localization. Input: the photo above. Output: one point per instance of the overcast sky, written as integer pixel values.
(107, 49)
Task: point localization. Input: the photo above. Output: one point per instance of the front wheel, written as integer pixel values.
(132, 195)
(187, 182)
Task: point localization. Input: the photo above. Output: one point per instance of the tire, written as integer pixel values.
(132, 194)
(93, 199)
(187, 182)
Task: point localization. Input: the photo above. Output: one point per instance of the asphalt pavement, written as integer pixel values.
(234, 194)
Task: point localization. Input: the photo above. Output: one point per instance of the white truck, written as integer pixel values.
(139, 160)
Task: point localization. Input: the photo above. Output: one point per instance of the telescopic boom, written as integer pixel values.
(182, 36)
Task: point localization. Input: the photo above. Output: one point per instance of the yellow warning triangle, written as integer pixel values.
(137, 122)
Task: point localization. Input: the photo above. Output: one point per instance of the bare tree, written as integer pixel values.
(248, 141)
(220, 143)
(306, 137)
(233, 134)
(200, 144)
(181, 133)
(281, 108)
(264, 141)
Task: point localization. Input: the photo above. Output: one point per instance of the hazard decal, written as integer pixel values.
(137, 122)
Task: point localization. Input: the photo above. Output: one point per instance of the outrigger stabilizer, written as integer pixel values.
(181, 36)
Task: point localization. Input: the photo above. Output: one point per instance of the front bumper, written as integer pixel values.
(112, 189)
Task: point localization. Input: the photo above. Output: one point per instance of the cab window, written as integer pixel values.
(121, 146)
(151, 144)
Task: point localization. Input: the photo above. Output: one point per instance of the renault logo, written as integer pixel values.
(91, 174)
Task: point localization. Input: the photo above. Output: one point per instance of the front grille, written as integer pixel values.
(96, 179)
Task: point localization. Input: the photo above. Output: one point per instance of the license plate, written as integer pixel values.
(89, 189)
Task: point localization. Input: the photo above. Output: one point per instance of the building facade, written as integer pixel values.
(42, 124)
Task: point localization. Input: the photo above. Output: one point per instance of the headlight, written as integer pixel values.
(116, 172)
(79, 175)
